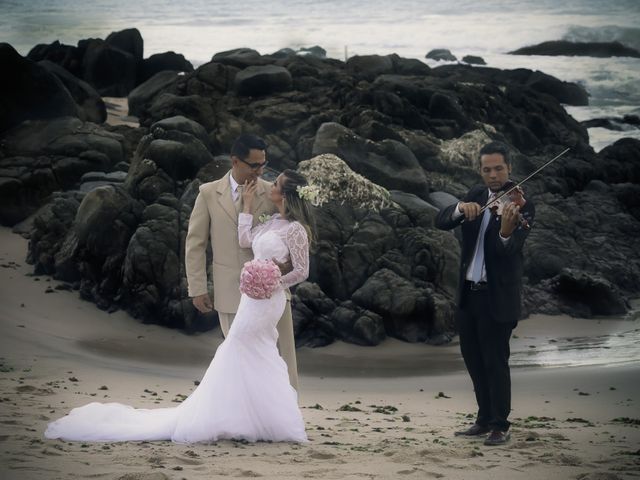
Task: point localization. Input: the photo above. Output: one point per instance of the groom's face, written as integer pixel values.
(250, 168)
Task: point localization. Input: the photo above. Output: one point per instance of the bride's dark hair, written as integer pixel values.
(297, 208)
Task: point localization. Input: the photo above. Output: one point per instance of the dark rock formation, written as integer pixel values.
(42, 157)
(161, 62)
(30, 91)
(128, 40)
(111, 71)
(627, 122)
(256, 81)
(113, 66)
(141, 97)
(378, 268)
(473, 60)
(369, 66)
(240, 58)
(441, 54)
(583, 49)
(91, 107)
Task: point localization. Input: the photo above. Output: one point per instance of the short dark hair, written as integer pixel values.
(245, 143)
(495, 147)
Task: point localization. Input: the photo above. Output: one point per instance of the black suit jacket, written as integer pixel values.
(503, 262)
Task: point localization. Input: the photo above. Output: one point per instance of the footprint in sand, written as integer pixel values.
(34, 390)
(316, 455)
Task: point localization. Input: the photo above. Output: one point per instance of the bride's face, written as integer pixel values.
(276, 190)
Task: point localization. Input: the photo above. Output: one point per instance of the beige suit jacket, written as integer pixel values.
(215, 217)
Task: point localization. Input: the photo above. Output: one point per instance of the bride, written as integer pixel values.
(245, 392)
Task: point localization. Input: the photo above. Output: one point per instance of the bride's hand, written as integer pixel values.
(248, 193)
(285, 267)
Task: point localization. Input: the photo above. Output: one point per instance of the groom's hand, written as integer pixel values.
(202, 303)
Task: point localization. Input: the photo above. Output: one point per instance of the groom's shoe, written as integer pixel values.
(496, 437)
(474, 431)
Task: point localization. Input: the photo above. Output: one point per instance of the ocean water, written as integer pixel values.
(410, 28)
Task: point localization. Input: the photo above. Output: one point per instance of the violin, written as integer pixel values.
(510, 192)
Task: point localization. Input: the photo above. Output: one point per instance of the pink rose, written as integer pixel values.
(259, 278)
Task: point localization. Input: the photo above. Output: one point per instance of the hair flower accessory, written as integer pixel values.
(259, 278)
(310, 193)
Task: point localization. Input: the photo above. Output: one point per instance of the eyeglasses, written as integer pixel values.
(254, 166)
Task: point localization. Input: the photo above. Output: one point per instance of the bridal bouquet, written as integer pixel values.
(259, 278)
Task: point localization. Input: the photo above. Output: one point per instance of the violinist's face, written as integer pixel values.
(494, 170)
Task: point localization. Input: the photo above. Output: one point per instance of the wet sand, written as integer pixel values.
(382, 412)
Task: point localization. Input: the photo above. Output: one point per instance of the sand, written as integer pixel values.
(118, 112)
(371, 413)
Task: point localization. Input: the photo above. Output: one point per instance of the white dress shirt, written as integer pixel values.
(469, 274)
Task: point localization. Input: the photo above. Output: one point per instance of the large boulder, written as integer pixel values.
(584, 49)
(30, 91)
(68, 57)
(388, 163)
(256, 81)
(441, 54)
(141, 97)
(151, 273)
(195, 107)
(406, 308)
(369, 66)
(91, 107)
(174, 151)
(337, 182)
(473, 60)
(43, 157)
(164, 61)
(128, 40)
(240, 58)
(564, 92)
(110, 70)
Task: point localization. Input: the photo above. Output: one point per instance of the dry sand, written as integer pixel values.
(118, 112)
(59, 352)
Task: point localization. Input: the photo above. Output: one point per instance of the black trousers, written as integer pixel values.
(485, 348)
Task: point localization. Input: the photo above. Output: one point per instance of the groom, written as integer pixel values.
(215, 217)
(489, 290)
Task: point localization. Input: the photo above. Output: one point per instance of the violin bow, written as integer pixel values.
(507, 192)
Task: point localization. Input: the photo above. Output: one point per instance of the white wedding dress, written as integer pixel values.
(245, 392)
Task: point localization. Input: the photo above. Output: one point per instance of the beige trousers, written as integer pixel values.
(286, 341)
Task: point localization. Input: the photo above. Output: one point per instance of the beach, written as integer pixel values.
(371, 412)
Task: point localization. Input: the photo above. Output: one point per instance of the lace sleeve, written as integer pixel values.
(245, 234)
(298, 244)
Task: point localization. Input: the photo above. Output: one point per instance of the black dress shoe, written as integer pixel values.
(496, 437)
(473, 431)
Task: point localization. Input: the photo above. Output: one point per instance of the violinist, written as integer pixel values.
(490, 286)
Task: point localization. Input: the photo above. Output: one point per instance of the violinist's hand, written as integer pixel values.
(510, 219)
(202, 303)
(470, 210)
(248, 192)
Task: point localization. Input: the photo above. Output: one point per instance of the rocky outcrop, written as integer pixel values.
(620, 124)
(583, 49)
(473, 60)
(43, 157)
(441, 54)
(91, 107)
(389, 141)
(256, 81)
(141, 97)
(160, 62)
(30, 91)
(113, 66)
